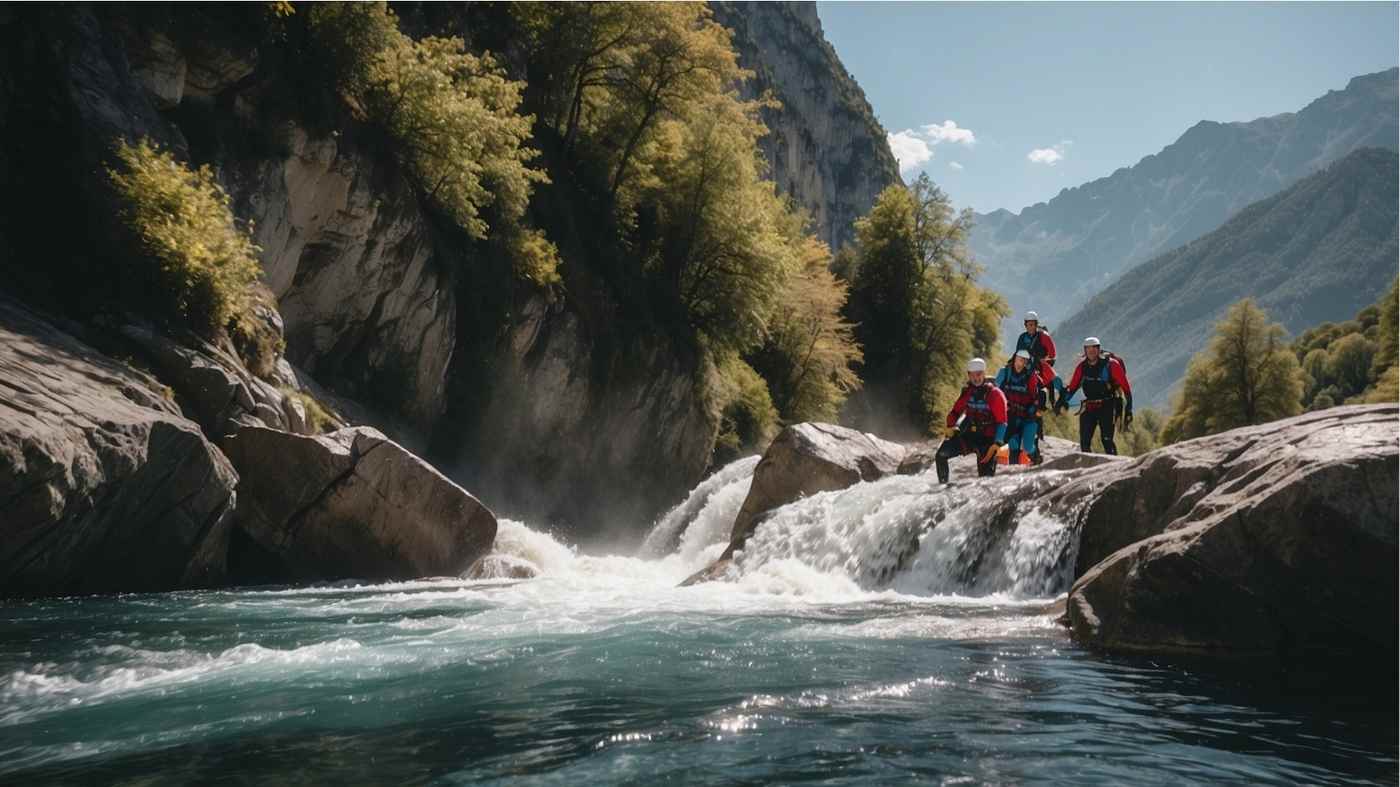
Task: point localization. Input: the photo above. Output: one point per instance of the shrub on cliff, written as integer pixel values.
(1246, 375)
(199, 264)
(915, 299)
(453, 117)
(747, 417)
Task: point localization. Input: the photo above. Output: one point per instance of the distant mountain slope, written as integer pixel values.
(1318, 251)
(1054, 255)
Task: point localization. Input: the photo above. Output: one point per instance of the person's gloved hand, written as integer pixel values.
(1061, 406)
(991, 454)
(1127, 418)
(950, 432)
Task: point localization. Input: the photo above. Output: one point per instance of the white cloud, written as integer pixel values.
(955, 165)
(1049, 156)
(949, 132)
(913, 148)
(909, 150)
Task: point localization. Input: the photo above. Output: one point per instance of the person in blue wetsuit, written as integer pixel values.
(1020, 383)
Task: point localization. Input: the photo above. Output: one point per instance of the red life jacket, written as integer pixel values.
(977, 411)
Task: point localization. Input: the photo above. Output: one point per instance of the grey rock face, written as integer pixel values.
(365, 296)
(824, 147)
(353, 504)
(103, 485)
(214, 387)
(1279, 538)
(583, 431)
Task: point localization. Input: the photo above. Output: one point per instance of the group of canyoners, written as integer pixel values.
(1006, 411)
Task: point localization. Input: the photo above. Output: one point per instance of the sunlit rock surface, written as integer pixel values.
(104, 486)
(352, 504)
(1280, 538)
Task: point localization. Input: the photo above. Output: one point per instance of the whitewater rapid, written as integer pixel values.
(902, 536)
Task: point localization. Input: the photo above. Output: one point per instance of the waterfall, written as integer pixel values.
(908, 535)
(705, 516)
(912, 535)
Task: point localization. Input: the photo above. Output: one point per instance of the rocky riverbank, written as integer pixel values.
(1279, 539)
(113, 481)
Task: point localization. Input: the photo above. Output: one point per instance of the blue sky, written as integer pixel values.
(1011, 102)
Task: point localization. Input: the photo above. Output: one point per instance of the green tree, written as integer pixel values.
(1246, 375)
(1349, 363)
(453, 117)
(808, 356)
(726, 241)
(915, 300)
(1385, 369)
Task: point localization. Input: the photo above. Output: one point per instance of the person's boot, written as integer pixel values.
(1035, 459)
(941, 466)
(1110, 448)
(1013, 458)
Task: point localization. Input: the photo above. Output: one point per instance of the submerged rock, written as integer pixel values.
(352, 504)
(1279, 538)
(498, 566)
(104, 486)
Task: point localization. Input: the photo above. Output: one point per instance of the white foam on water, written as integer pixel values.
(140, 670)
(704, 516)
(917, 537)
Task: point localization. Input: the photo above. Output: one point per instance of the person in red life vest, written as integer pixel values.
(1102, 378)
(983, 410)
(1021, 385)
(1037, 342)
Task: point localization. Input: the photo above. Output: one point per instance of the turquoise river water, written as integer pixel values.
(854, 645)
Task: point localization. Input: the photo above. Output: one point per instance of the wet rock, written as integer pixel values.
(496, 566)
(353, 504)
(1280, 538)
(104, 486)
(805, 459)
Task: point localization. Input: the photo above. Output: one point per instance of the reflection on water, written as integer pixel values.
(576, 680)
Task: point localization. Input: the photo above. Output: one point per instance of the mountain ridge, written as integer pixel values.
(1087, 234)
(1317, 251)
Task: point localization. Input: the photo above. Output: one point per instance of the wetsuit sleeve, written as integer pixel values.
(958, 407)
(1048, 345)
(1120, 379)
(996, 401)
(1001, 377)
(1074, 382)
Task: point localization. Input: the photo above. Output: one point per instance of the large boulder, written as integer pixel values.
(803, 460)
(351, 504)
(1279, 538)
(104, 486)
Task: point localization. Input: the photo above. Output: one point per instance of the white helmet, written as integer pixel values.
(1023, 354)
(1031, 316)
(977, 365)
(1092, 341)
